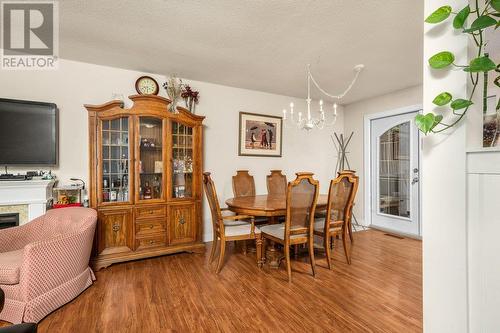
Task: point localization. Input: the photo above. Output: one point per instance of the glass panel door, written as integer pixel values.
(182, 161)
(150, 158)
(115, 160)
(394, 171)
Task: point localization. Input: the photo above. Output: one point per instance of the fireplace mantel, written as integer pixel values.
(35, 194)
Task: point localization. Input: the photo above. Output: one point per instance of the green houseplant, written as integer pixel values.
(481, 18)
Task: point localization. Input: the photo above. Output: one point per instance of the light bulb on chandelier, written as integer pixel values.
(309, 122)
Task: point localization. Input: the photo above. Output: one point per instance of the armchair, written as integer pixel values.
(44, 264)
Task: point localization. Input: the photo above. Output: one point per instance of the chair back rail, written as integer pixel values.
(243, 184)
(276, 183)
(341, 199)
(301, 198)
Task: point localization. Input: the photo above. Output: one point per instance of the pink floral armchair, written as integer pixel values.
(44, 264)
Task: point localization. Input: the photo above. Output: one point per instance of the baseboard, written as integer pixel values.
(417, 237)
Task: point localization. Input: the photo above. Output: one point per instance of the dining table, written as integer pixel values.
(271, 206)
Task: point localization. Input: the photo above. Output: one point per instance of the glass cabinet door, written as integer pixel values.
(150, 158)
(115, 152)
(182, 161)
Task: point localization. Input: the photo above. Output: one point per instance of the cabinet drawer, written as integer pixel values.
(150, 211)
(153, 240)
(146, 227)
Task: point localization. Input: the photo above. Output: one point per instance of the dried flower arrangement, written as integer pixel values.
(175, 89)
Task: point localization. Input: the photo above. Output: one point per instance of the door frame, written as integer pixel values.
(367, 169)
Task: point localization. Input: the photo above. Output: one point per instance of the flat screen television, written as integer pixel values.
(28, 132)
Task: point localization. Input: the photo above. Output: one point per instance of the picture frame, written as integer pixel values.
(260, 135)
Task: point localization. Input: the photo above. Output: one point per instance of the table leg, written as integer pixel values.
(273, 256)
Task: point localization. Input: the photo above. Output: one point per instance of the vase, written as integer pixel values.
(491, 129)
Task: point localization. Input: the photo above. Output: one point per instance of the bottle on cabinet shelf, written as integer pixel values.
(147, 191)
(156, 187)
(112, 192)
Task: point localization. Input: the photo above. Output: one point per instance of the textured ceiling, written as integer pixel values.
(259, 44)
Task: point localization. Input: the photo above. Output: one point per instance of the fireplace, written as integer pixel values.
(9, 220)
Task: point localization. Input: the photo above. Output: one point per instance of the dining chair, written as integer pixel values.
(243, 184)
(338, 213)
(349, 229)
(301, 198)
(276, 183)
(229, 227)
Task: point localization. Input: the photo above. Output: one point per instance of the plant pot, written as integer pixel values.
(491, 129)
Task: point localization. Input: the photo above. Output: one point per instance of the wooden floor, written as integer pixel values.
(380, 292)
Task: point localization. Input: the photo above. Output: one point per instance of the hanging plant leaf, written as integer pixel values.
(481, 64)
(428, 122)
(459, 20)
(460, 103)
(437, 120)
(481, 22)
(439, 15)
(495, 4)
(441, 60)
(442, 99)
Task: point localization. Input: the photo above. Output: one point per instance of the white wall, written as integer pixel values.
(354, 114)
(76, 83)
(444, 188)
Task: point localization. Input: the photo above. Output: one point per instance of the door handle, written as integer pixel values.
(414, 180)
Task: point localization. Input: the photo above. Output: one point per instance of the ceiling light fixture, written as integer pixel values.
(308, 122)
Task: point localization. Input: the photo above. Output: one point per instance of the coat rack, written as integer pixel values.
(340, 144)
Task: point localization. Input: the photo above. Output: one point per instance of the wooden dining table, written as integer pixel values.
(270, 206)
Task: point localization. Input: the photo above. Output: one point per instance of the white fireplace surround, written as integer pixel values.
(36, 194)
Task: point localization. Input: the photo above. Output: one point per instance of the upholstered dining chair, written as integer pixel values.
(338, 213)
(349, 229)
(229, 227)
(276, 183)
(243, 184)
(301, 198)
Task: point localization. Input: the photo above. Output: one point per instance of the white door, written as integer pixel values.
(394, 175)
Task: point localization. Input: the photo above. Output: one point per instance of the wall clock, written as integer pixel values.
(146, 85)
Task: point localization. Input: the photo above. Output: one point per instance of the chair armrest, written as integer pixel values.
(242, 217)
(50, 263)
(238, 217)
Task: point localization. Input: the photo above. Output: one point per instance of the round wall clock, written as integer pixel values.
(146, 85)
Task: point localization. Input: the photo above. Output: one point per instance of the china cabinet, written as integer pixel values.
(145, 179)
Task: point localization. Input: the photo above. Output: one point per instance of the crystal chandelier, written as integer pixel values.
(309, 122)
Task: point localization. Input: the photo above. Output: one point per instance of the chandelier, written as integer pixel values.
(309, 122)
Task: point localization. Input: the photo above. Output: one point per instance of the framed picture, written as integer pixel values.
(260, 135)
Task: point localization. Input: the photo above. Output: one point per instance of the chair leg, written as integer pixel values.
(288, 263)
(214, 248)
(263, 254)
(296, 250)
(311, 256)
(258, 248)
(327, 250)
(244, 247)
(344, 242)
(221, 254)
(350, 231)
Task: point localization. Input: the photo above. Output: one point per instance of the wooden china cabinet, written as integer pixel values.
(145, 179)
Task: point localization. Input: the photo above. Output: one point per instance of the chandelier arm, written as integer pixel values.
(330, 95)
